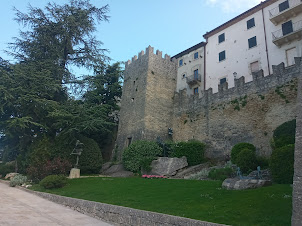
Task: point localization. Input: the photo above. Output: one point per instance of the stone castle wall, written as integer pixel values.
(147, 100)
(248, 112)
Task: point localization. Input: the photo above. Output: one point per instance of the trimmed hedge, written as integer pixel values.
(238, 148)
(6, 168)
(282, 164)
(285, 134)
(139, 154)
(193, 150)
(53, 181)
(246, 160)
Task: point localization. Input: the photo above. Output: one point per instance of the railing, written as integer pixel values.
(279, 33)
(275, 11)
(193, 78)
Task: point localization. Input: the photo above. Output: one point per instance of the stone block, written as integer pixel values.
(74, 173)
(165, 166)
(243, 184)
(10, 175)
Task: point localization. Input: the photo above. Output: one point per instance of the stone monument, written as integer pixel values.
(75, 171)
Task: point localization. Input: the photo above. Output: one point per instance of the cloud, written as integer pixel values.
(233, 6)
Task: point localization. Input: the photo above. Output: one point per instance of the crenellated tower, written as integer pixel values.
(147, 100)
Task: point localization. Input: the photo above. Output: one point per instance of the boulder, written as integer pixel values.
(117, 171)
(165, 166)
(10, 175)
(188, 171)
(266, 174)
(106, 166)
(243, 184)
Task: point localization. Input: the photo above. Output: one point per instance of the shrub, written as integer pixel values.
(285, 134)
(263, 162)
(17, 180)
(193, 150)
(91, 158)
(6, 168)
(53, 181)
(204, 173)
(238, 148)
(43, 169)
(246, 160)
(139, 153)
(282, 164)
(220, 174)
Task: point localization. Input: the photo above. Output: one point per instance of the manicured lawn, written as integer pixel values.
(202, 200)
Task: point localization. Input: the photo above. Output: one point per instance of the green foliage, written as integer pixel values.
(285, 134)
(220, 174)
(53, 181)
(282, 164)
(6, 168)
(263, 162)
(195, 199)
(139, 153)
(193, 150)
(17, 180)
(246, 160)
(238, 148)
(43, 169)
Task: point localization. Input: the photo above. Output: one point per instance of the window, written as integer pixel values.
(252, 42)
(222, 56)
(283, 6)
(290, 56)
(180, 62)
(184, 75)
(195, 90)
(221, 38)
(250, 23)
(222, 80)
(255, 66)
(196, 55)
(196, 74)
(287, 27)
(129, 141)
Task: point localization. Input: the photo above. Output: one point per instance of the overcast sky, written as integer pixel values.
(168, 25)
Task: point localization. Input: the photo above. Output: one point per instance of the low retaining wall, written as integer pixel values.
(119, 215)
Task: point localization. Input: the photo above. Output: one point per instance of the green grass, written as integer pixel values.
(202, 200)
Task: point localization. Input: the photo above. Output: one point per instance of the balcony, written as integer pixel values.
(288, 35)
(193, 79)
(285, 11)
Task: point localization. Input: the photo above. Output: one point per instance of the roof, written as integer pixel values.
(238, 18)
(187, 51)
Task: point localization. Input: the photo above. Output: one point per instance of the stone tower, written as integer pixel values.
(147, 100)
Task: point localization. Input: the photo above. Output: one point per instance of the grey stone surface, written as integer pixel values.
(74, 173)
(165, 166)
(22, 208)
(243, 184)
(186, 172)
(297, 180)
(122, 174)
(106, 166)
(119, 215)
(117, 170)
(266, 174)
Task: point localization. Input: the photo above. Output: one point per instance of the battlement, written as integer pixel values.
(260, 85)
(149, 51)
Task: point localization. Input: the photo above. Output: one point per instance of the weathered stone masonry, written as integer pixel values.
(248, 112)
(147, 101)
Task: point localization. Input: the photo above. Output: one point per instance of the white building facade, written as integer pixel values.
(266, 35)
(190, 72)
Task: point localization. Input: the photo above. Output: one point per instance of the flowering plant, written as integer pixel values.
(152, 176)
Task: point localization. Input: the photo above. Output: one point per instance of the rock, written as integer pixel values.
(187, 172)
(114, 168)
(117, 171)
(106, 166)
(10, 175)
(243, 184)
(165, 166)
